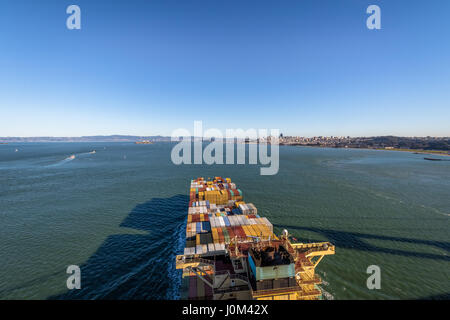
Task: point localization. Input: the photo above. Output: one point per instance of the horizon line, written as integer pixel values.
(169, 136)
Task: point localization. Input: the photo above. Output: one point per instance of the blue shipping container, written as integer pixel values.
(227, 222)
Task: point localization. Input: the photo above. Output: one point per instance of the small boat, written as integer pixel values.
(72, 157)
(92, 152)
(433, 159)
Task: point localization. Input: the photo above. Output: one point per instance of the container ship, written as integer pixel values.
(231, 252)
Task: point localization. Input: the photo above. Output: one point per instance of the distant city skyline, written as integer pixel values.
(163, 137)
(150, 67)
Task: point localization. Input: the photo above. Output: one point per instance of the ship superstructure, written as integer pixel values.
(232, 253)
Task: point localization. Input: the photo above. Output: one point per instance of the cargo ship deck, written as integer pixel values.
(232, 252)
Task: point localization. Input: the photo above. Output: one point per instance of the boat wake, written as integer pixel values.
(62, 162)
(71, 158)
(326, 295)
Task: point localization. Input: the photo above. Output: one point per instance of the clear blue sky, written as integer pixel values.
(307, 67)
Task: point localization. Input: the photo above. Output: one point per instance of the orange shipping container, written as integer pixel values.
(221, 237)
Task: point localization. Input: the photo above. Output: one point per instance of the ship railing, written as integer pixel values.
(222, 272)
(249, 238)
(316, 246)
(238, 276)
(186, 260)
(307, 249)
(310, 293)
(231, 289)
(267, 292)
(231, 275)
(309, 280)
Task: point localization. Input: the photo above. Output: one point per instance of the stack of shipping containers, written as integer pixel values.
(218, 215)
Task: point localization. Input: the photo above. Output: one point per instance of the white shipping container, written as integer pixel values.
(252, 208)
(267, 223)
(213, 222)
(211, 247)
(198, 249)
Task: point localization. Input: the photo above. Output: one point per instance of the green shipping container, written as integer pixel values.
(226, 235)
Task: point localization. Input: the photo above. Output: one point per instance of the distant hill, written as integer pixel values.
(112, 138)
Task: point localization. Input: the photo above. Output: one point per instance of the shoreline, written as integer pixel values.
(414, 151)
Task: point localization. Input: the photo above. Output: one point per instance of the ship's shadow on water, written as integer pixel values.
(138, 266)
(355, 240)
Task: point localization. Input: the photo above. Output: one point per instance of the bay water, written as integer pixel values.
(120, 214)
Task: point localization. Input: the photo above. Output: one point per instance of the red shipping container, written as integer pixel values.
(240, 231)
(230, 232)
